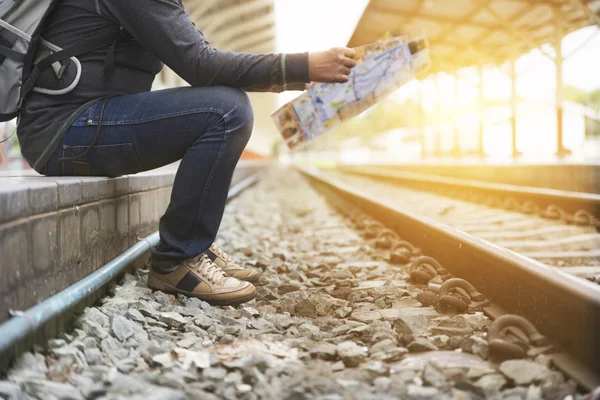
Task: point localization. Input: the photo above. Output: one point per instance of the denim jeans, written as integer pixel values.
(206, 128)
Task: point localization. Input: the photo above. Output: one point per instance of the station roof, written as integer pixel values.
(236, 25)
(464, 33)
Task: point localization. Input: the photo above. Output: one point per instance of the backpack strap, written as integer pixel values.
(94, 43)
(109, 63)
(13, 54)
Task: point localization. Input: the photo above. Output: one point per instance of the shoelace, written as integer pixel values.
(207, 268)
(222, 254)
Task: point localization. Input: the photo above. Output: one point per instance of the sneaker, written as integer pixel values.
(200, 277)
(230, 267)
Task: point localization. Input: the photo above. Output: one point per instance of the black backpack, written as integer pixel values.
(24, 53)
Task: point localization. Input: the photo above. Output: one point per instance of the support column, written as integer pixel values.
(480, 149)
(456, 146)
(438, 134)
(559, 30)
(422, 121)
(513, 106)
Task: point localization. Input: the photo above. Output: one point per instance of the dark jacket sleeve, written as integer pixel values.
(164, 28)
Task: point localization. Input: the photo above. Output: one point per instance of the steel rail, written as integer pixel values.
(25, 324)
(562, 307)
(570, 202)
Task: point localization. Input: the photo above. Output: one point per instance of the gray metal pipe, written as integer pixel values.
(29, 321)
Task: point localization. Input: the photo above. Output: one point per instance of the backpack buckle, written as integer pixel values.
(59, 69)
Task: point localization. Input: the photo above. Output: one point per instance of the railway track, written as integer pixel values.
(345, 310)
(557, 228)
(559, 304)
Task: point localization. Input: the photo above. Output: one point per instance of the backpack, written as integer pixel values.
(24, 53)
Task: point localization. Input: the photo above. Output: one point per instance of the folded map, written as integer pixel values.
(383, 66)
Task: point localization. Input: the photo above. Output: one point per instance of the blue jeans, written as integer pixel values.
(206, 128)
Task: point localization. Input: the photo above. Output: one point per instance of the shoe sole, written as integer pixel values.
(232, 302)
(214, 302)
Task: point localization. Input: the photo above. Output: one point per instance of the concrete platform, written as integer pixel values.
(55, 231)
(584, 177)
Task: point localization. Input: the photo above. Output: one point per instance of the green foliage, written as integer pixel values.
(590, 99)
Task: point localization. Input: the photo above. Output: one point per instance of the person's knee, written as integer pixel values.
(241, 117)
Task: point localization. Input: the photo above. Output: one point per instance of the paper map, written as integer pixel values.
(383, 67)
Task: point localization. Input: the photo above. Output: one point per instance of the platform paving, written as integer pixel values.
(55, 231)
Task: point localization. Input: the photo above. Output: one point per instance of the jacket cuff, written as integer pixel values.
(296, 86)
(296, 68)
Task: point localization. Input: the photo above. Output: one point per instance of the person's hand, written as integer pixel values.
(331, 66)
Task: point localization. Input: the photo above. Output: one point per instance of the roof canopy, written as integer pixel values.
(464, 33)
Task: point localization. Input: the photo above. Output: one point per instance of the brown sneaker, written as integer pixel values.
(230, 267)
(199, 277)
